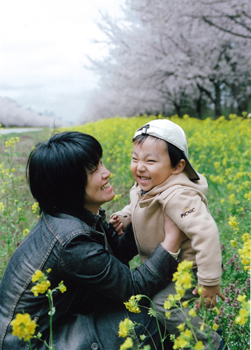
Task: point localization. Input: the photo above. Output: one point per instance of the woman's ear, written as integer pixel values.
(179, 167)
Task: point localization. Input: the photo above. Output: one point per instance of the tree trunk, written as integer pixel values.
(217, 102)
(242, 106)
(198, 106)
(178, 109)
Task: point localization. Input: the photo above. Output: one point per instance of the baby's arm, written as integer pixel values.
(200, 227)
(116, 224)
(209, 295)
(172, 231)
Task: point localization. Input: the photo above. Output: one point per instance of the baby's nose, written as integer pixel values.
(141, 166)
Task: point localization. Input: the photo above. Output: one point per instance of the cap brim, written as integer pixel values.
(193, 176)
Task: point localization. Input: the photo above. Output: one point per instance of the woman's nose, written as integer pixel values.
(106, 173)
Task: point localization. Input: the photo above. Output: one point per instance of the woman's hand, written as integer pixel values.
(173, 235)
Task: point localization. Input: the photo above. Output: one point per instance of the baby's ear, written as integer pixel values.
(179, 167)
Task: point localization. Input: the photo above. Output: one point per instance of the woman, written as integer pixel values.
(68, 179)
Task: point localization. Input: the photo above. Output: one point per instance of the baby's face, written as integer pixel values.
(151, 164)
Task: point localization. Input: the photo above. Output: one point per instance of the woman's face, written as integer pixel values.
(98, 190)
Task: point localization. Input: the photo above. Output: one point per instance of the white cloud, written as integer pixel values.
(42, 52)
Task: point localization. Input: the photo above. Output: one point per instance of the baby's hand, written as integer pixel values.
(209, 295)
(117, 225)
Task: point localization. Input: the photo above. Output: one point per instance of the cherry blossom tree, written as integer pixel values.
(12, 114)
(229, 16)
(165, 57)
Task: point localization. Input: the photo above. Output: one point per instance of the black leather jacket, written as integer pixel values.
(91, 260)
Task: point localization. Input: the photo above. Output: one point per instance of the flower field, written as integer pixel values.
(218, 149)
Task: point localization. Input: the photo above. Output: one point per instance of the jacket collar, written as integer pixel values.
(88, 217)
(92, 219)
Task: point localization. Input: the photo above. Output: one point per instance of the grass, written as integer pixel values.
(16, 217)
(218, 149)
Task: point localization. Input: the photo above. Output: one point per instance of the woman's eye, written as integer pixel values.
(93, 170)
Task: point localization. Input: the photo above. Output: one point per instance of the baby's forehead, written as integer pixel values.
(150, 144)
(140, 140)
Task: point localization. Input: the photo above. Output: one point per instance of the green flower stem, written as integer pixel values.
(49, 295)
(157, 321)
(207, 323)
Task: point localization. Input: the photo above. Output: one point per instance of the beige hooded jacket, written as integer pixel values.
(185, 203)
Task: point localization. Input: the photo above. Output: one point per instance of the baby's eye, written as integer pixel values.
(151, 161)
(134, 159)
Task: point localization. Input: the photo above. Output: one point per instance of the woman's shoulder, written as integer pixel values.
(65, 226)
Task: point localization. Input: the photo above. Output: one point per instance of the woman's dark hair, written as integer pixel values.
(57, 171)
(175, 154)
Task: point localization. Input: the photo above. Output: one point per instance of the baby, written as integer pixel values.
(167, 184)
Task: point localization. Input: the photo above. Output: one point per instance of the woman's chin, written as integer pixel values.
(109, 194)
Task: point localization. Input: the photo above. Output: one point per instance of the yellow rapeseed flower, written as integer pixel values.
(41, 288)
(180, 290)
(167, 305)
(216, 310)
(185, 280)
(202, 326)
(192, 312)
(171, 297)
(244, 312)
(245, 237)
(233, 243)
(180, 343)
(168, 314)
(116, 197)
(132, 304)
(184, 265)
(185, 303)
(38, 275)
(181, 327)
(62, 287)
(43, 284)
(23, 327)
(199, 345)
(1, 206)
(125, 327)
(187, 334)
(127, 344)
(233, 223)
(183, 277)
(241, 318)
(25, 232)
(200, 289)
(241, 297)
(244, 252)
(35, 208)
(215, 326)
(177, 297)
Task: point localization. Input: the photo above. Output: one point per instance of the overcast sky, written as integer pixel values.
(43, 44)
